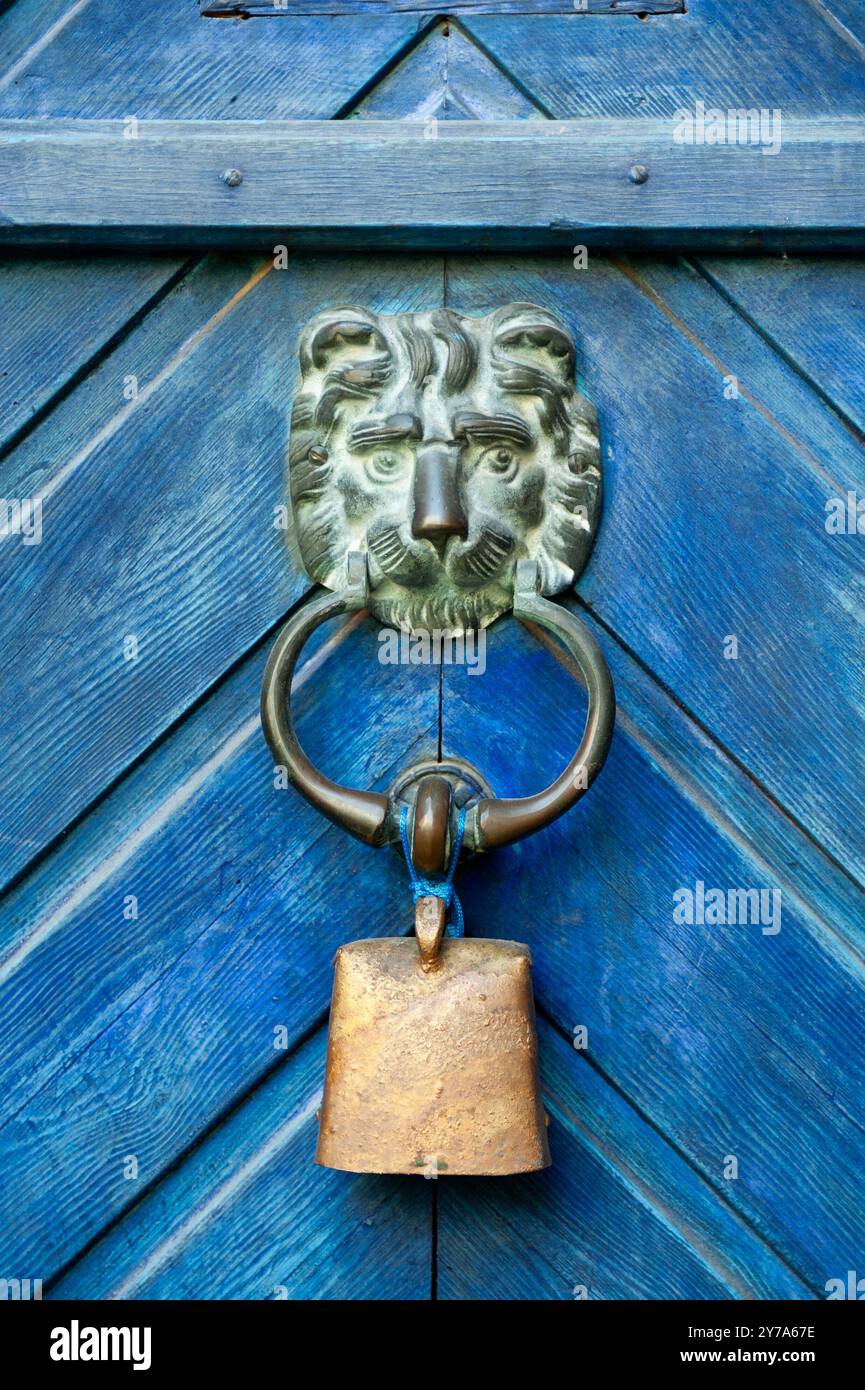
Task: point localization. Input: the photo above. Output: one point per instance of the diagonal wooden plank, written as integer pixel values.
(846, 17)
(731, 1040)
(73, 59)
(28, 31)
(727, 55)
(660, 351)
(445, 77)
(618, 1215)
(249, 1215)
(813, 313)
(188, 926)
(59, 318)
(158, 523)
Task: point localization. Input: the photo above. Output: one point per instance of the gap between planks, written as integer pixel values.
(665, 1214)
(835, 23)
(705, 351)
(159, 817)
(98, 356)
(713, 811)
(852, 427)
(223, 1194)
(119, 418)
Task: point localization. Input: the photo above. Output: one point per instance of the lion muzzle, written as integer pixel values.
(437, 510)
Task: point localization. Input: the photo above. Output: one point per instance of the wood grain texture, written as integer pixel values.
(158, 523)
(715, 523)
(847, 18)
(60, 314)
(58, 317)
(725, 53)
(241, 892)
(446, 77)
(291, 9)
(731, 1041)
(813, 313)
(233, 1221)
(702, 1042)
(249, 1215)
(465, 183)
(619, 1215)
(615, 302)
(72, 59)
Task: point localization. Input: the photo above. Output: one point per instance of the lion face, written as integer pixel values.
(446, 448)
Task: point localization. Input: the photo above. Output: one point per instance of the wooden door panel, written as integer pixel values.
(725, 53)
(249, 1215)
(733, 1041)
(155, 1037)
(67, 59)
(714, 523)
(159, 516)
(167, 1020)
(614, 960)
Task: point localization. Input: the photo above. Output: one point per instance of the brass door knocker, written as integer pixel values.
(442, 470)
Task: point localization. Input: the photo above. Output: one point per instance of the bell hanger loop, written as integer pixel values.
(430, 836)
(432, 854)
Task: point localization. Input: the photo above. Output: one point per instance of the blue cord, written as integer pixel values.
(441, 886)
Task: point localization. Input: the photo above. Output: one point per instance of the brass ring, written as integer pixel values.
(491, 822)
(364, 814)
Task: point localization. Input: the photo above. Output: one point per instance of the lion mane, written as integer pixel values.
(503, 381)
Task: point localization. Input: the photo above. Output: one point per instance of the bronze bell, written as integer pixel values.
(432, 1057)
(432, 1071)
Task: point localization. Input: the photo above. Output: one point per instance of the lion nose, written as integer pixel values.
(437, 510)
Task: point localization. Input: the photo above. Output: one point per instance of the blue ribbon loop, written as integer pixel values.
(441, 886)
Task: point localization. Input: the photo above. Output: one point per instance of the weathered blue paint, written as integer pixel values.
(59, 319)
(736, 1042)
(155, 1036)
(170, 1017)
(215, 365)
(253, 9)
(499, 183)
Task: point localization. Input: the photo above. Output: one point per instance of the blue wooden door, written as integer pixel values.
(169, 915)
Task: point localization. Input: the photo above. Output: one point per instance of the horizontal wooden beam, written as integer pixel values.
(356, 185)
(250, 9)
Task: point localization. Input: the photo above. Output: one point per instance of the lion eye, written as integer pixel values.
(500, 460)
(384, 466)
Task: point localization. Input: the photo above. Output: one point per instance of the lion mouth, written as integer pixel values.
(412, 562)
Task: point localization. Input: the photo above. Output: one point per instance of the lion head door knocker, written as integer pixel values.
(443, 471)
